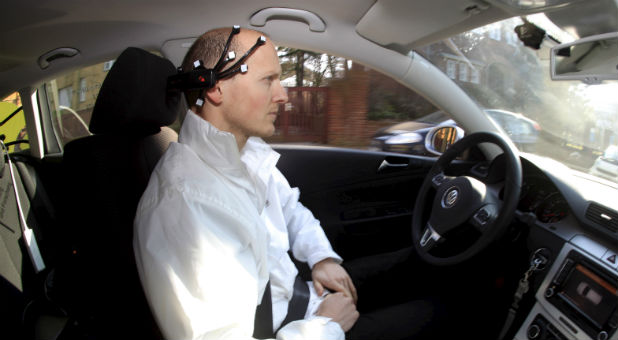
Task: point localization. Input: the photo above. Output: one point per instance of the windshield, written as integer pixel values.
(611, 153)
(569, 121)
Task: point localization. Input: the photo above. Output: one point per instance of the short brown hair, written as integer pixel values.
(208, 48)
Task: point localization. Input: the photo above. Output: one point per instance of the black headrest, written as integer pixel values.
(133, 98)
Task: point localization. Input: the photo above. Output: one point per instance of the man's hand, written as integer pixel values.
(329, 274)
(340, 308)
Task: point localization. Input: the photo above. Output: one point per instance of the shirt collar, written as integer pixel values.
(260, 159)
(219, 149)
(215, 147)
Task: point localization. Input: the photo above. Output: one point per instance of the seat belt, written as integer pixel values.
(263, 323)
(28, 234)
(297, 308)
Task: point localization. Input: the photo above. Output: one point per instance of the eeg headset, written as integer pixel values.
(201, 78)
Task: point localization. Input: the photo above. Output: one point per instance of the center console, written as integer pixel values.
(577, 300)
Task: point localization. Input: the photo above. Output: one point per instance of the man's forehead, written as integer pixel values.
(266, 56)
(247, 38)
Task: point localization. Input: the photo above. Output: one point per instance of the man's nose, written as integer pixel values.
(282, 94)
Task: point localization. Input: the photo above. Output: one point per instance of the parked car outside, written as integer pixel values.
(606, 165)
(410, 137)
(523, 131)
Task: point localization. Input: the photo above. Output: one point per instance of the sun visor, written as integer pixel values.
(402, 24)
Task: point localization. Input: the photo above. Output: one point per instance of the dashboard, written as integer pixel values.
(552, 194)
(578, 295)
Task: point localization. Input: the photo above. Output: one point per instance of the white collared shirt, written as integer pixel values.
(213, 226)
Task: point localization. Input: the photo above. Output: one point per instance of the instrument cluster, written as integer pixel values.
(542, 198)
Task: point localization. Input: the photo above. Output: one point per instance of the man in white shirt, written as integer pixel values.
(215, 224)
(212, 227)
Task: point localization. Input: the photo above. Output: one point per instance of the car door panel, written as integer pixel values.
(363, 199)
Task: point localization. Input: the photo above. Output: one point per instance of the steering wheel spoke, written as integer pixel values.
(430, 238)
(483, 217)
(440, 178)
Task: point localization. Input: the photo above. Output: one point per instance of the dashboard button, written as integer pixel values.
(533, 331)
(611, 259)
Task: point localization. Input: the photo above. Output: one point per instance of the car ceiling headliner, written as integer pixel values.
(100, 30)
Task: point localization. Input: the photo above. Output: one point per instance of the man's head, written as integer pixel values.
(246, 103)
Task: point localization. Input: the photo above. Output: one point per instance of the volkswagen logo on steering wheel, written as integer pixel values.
(450, 197)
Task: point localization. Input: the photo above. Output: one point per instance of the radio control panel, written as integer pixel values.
(577, 300)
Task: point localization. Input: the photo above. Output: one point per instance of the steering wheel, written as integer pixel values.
(461, 201)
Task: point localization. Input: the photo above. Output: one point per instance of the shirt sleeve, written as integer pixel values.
(199, 270)
(307, 238)
(318, 327)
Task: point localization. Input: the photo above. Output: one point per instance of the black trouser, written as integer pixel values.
(401, 314)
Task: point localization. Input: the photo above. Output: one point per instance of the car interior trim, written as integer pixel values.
(33, 123)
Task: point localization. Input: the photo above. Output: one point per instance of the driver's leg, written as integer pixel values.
(418, 319)
(396, 298)
(365, 268)
(388, 279)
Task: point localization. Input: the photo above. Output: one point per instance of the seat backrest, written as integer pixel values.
(19, 284)
(25, 205)
(106, 175)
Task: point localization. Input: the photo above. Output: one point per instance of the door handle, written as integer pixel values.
(393, 163)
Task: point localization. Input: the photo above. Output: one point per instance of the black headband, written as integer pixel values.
(201, 78)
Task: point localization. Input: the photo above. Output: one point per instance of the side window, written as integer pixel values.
(338, 102)
(13, 123)
(71, 98)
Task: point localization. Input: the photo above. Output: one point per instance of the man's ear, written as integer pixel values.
(214, 94)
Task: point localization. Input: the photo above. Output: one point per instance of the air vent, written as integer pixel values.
(603, 216)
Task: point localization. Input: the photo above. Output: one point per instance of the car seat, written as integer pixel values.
(22, 276)
(106, 174)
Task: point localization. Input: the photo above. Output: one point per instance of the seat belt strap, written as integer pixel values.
(263, 322)
(297, 308)
(28, 234)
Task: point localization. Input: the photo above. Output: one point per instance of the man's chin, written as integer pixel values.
(266, 132)
(270, 134)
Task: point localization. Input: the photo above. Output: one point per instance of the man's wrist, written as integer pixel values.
(317, 258)
(328, 259)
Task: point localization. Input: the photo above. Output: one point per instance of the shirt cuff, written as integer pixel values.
(317, 257)
(316, 327)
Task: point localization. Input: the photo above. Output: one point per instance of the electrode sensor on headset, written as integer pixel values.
(202, 78)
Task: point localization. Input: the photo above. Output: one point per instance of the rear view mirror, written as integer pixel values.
(591, 59)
